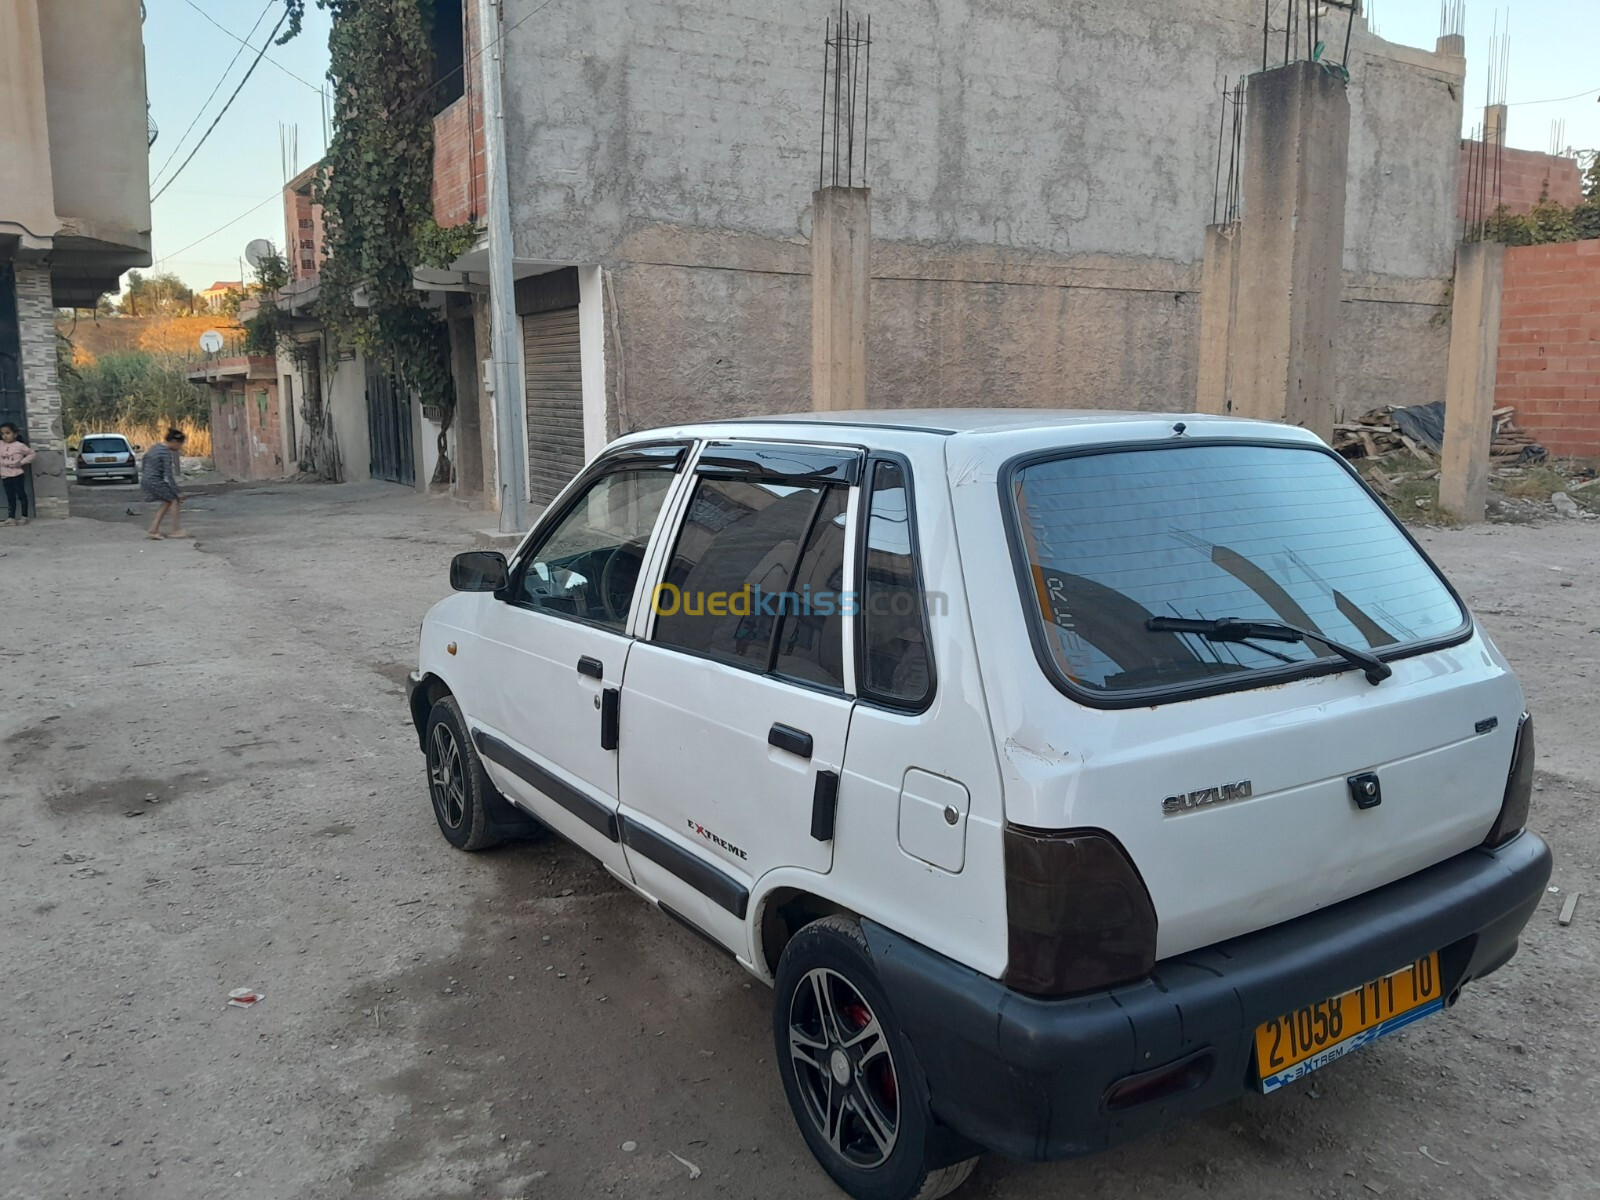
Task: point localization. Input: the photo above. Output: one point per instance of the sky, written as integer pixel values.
(203, 221)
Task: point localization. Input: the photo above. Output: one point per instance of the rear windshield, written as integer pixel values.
(1198, 530)
(103, 445)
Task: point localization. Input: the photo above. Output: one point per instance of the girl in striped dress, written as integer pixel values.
(158, 479)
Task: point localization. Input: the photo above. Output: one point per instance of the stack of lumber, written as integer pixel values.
(1377, 433)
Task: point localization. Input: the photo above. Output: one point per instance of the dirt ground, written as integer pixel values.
(208, 780)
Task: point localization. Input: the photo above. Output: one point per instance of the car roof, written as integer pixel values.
(1074, 426)
(120, 437)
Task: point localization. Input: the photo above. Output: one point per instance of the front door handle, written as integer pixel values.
(787, 737)
(592, 667)
(609, 698)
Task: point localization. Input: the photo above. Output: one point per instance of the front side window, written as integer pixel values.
(586, 566)
(1209, 531)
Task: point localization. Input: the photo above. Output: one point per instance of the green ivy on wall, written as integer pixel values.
(376, 192)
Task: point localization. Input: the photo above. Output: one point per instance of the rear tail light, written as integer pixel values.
(1079, 917)
(1519, 788)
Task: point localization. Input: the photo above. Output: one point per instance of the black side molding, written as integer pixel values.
(824, 805)
(720, 888)
(580, 804)
(694, 929)
(787, 737)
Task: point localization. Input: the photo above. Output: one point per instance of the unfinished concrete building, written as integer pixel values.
(1041, 178)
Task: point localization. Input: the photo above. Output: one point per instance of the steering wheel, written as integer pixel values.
(612, 588)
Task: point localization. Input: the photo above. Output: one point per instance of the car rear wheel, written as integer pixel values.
(457, 784)
(851, 1076)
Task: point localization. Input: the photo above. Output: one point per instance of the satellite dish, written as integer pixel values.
(211, 341)
(257, 250)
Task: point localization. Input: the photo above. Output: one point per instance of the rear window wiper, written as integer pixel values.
(1236, 629)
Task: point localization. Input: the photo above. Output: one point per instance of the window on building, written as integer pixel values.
(449, 39)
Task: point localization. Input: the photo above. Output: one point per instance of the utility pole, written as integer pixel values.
(505, 357)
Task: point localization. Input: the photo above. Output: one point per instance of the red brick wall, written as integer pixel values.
(302, 227)
(247, 436)
(458, 167)
(1550, 345)
(1523, 176)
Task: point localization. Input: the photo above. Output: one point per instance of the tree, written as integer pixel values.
(147, 296)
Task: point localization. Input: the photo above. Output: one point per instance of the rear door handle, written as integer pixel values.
(787, 737)
(592, 667)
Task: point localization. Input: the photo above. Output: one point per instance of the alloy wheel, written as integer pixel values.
(845, 1068)
(447, 777)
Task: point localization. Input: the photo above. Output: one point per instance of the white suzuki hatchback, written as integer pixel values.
(1063, 773)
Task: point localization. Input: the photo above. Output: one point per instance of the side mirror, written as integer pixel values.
(478, 571)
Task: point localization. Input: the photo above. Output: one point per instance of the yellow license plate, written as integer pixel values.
(1297, 1043)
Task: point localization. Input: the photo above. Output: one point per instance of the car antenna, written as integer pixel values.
(1179, 428)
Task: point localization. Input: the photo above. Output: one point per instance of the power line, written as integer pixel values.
(242, 42)
(219, 228)
(1557, 100)
(201, 111)
(418, 99)
(259, 56)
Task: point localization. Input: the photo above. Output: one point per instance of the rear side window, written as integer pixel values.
(896, 666)
(811, 628)
(733, 564)
(1206, 530)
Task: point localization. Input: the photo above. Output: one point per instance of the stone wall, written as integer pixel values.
(36, 329)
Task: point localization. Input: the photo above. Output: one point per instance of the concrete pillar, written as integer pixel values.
(1469, 381)
(1453, 44)
(841, 272)
(1291, 252)
(1494, 124)
(1219, 280)
(41, 390)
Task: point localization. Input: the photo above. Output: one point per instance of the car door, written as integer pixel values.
(736, 706)
(553, 647)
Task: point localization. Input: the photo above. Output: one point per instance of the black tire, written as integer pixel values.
(873, 1132)
(457, 786)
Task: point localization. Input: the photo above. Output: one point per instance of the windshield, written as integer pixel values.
(103, 445)
(1203, 531)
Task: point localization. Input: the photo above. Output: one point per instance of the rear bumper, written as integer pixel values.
(1027, 1077)
(108, 471)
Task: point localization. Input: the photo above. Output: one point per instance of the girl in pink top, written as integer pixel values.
(15, 454)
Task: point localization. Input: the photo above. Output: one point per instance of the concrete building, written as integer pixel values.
(343, 419)
(74, 196)
(215, 296)
(1041, 182)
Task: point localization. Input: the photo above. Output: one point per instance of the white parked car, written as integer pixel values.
(1064, 773)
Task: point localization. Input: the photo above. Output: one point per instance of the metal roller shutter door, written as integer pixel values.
(554, 382)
